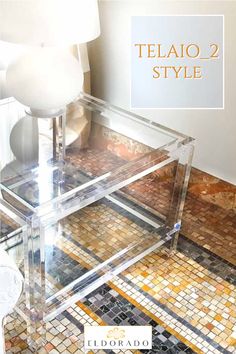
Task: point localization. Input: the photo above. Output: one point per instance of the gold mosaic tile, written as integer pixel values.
(191, 292)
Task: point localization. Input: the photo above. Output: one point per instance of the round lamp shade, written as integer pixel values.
(49, 22)
(45, 79)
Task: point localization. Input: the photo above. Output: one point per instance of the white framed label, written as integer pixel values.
(177, 61)
(117, 337)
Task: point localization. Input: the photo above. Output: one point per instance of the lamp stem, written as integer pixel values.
(59, 138)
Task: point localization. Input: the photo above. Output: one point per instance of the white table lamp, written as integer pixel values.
(48, 76)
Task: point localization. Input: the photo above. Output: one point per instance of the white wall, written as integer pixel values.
(215, 130)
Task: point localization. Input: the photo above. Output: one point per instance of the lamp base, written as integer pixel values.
(58, 126)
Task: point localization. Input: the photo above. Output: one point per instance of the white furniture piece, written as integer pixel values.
(11, 285)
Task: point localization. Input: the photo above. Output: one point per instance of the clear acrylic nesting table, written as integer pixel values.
(83, 219)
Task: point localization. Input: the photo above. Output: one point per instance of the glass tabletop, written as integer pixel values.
(106, 148)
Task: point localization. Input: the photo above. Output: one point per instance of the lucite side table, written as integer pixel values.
(114, 199)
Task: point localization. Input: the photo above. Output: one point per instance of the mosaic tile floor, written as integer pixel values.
(188, 298)
(210, 209)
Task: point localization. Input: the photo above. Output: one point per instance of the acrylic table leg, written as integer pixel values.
(35, 284)
(183, 168)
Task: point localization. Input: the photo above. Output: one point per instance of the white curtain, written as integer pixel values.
(8, 53)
